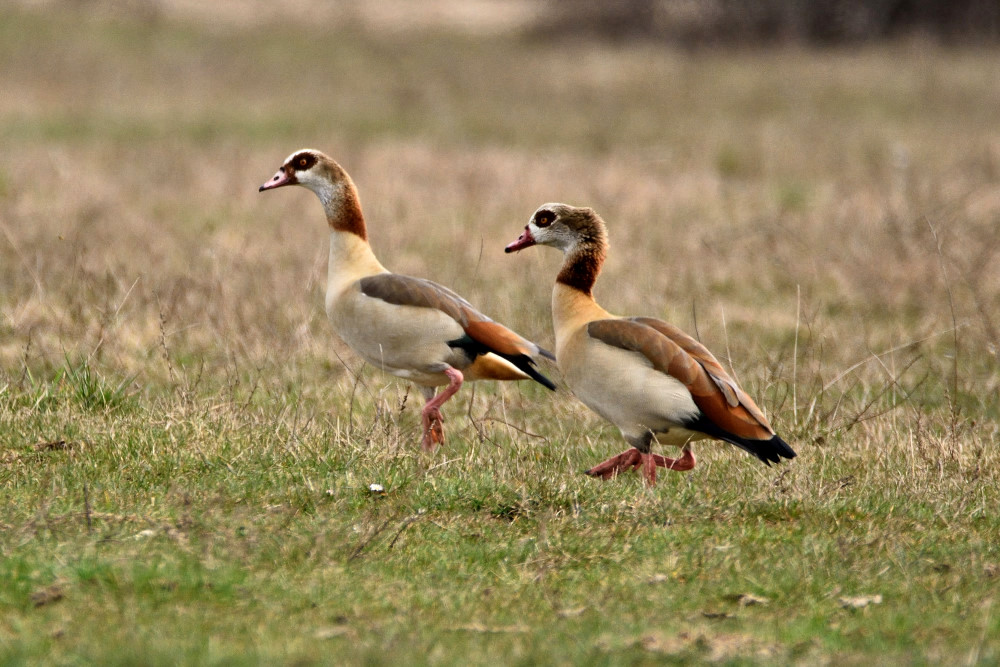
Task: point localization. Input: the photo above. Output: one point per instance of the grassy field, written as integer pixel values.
(186, 449)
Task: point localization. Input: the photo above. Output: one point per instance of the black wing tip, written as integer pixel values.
(527, 366)
(522, 362)
(768, 451)
(541, 379)
(784, 449)
(545, 353)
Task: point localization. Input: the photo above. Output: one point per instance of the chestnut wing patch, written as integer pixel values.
(672, 352)
(734, 395)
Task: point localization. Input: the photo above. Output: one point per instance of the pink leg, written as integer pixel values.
(630, 458)
(634, 459)
(433, 431)
(649, 469)
(683, 464)
(431, 417)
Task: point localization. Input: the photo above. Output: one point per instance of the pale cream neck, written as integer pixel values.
(572, 309)
(351, 258)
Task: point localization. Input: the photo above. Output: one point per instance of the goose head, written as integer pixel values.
(309, 168)
(561, 226)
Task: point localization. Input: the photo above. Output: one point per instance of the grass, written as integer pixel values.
(187, 451)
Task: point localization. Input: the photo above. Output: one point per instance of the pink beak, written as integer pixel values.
(525, 240)
(280, 178)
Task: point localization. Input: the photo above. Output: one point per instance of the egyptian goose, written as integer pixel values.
(645, 376)
(408, 327)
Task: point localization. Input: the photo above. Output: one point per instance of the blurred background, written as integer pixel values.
(813, 188)
(770, 22)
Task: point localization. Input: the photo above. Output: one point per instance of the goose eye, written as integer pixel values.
(544, 218)
(303, 161)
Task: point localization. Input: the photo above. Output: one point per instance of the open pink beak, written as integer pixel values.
(525, 240)
(280, 178)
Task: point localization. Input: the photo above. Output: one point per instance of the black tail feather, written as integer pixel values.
(526, 365)
(768, 451)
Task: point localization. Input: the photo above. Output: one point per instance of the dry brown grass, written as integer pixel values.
(828, 221)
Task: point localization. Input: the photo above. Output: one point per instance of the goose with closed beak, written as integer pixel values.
(408, 327)
(647, 377)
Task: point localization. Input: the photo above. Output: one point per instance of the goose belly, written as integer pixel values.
(625, 389)
(407, 341)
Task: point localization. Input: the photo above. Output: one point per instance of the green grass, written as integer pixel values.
(208, 530)
(186, 451)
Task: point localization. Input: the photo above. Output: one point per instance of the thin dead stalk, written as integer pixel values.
(953, 400)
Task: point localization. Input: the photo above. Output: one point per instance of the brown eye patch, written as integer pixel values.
(544, 218)
(303, 161)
